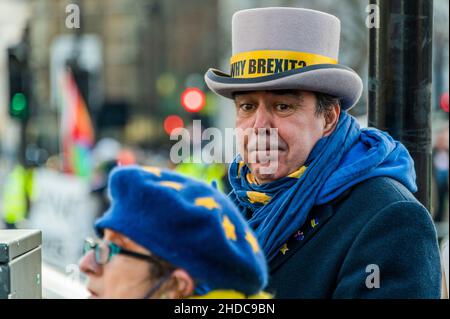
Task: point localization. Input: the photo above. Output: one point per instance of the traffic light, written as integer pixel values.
(444, 102)
(193, 99)
(172, 122)
(19, 85)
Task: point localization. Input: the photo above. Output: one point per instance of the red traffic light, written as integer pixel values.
(193, 99)
(172, 122)
(444, 102)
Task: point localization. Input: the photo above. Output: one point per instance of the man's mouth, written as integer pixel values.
(268, 147)
(267, 150)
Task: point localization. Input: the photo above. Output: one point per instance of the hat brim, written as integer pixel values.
(333, 79)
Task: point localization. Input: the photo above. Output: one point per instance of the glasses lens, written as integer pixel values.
(102, 253)
(88, 245)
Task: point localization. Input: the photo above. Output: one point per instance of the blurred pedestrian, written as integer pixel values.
(168, 236)
(107, 154)
(99, 185)
(333, 206)
(17, 195)
(440, 172)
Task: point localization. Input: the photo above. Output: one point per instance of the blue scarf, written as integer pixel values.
(347, 157)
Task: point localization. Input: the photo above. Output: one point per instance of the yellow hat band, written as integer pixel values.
(254, 64)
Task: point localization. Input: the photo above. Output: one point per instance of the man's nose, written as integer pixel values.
(263, 120)
(88, 265)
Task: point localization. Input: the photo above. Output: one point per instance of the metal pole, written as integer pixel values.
(400, 81)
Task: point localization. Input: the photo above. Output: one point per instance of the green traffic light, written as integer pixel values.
(18, 104)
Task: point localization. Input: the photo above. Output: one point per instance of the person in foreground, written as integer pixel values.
(168, 236)
(336, 217)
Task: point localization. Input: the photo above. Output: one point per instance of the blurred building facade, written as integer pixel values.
(141, 40)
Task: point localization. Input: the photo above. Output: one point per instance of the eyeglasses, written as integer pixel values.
(105, 250)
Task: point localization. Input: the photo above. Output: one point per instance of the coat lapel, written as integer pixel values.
(317, 217)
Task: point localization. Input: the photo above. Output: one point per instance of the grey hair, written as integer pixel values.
(325, 102)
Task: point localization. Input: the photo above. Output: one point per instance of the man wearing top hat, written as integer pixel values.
(337, 217)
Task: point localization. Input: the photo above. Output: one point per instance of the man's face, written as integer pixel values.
(293, 114)
(122, 276)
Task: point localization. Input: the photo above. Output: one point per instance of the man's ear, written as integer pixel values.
(182, 285)
(331, 119)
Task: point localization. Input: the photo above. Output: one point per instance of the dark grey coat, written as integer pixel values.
(378, 224)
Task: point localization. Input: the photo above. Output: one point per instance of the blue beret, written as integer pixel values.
(187, 223)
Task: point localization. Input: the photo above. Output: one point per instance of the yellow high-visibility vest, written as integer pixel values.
(206, 173)
(17, 193)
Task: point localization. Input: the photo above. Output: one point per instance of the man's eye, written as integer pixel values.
(247, 107)
(282, 107)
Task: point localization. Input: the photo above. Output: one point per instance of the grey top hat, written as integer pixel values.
(286, 48)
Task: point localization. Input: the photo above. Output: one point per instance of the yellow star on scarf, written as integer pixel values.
(207, 202)
(229, 228)
(153, 170)
(250, 178)
(241, 163)
(298, 173)
(284, 249)
(314, 222)
(252, 241)
(257, 197)
(174, 185)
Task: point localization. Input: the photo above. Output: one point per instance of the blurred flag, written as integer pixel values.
(77, 132)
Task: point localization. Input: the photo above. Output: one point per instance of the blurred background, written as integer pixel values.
(77, 101)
